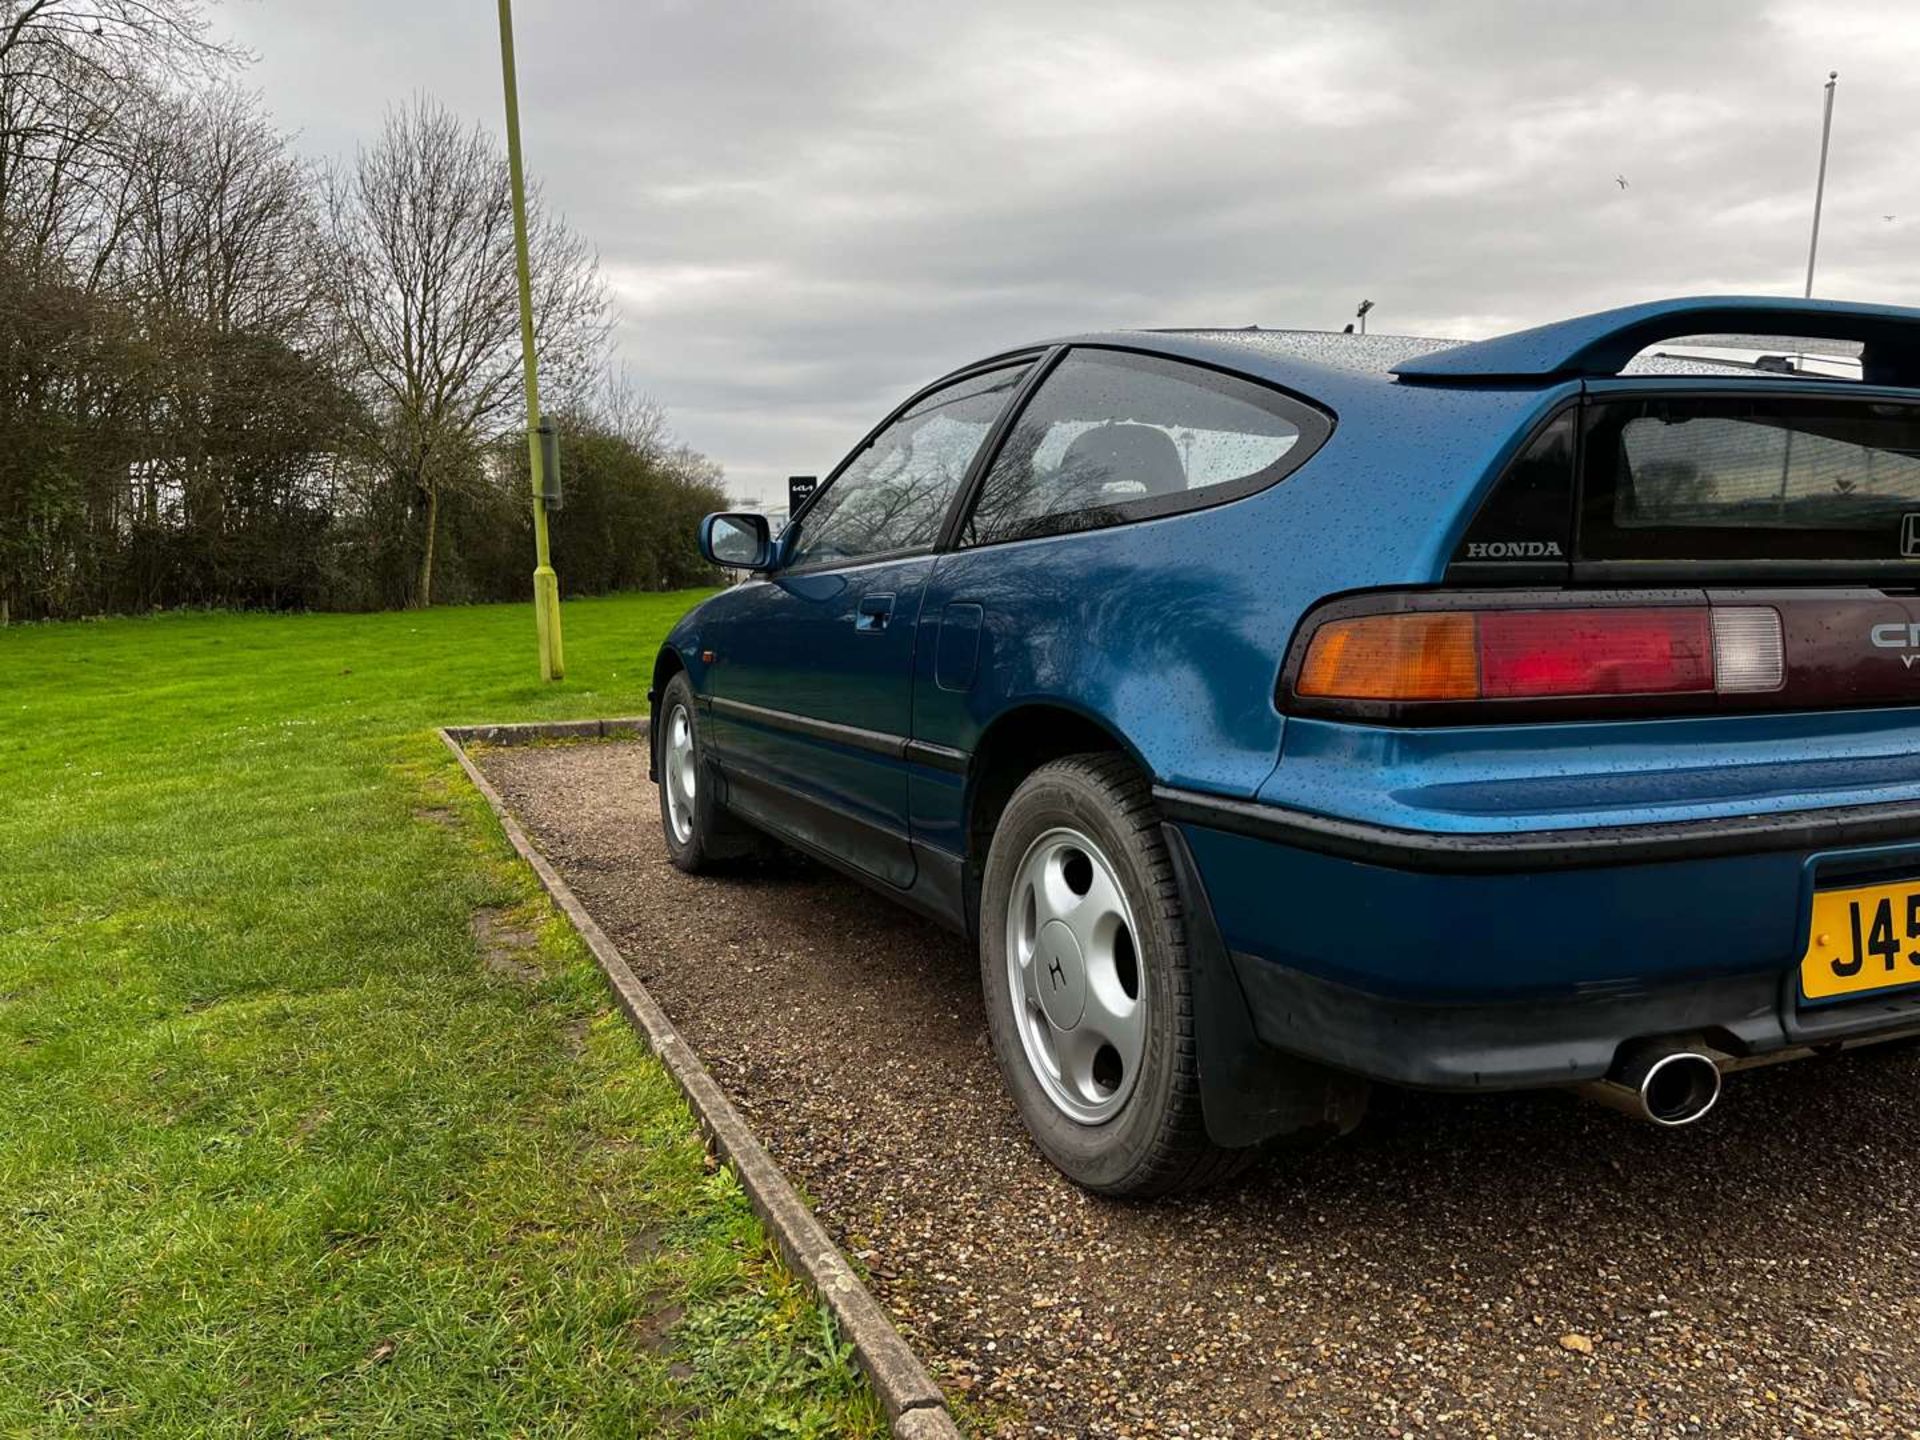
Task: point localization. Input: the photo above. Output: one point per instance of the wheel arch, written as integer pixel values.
(1249, 1093)
(666, 665)
(1017, 742)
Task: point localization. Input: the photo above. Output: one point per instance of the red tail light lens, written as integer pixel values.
(1532, 653)
(1438, 656)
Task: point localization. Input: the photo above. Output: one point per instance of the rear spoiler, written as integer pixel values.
(1603, 343)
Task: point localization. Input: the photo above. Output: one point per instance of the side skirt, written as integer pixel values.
(937, 890)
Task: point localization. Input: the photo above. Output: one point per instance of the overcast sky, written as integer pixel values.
(808, 209)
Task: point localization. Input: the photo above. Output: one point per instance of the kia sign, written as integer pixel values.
(799, 488)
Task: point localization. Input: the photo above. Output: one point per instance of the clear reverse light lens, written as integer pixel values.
(1748, 654)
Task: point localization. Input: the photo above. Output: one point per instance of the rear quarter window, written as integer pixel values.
(1112, 436)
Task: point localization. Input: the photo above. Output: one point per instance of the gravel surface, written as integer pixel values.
(1514, 1266)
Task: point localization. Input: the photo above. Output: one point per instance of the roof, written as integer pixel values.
(1885, 339)
(1383, 355)
(1363, 354)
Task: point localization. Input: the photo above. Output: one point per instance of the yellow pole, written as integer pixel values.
(546, 584)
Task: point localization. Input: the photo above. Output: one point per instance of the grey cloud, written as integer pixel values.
(808, 209)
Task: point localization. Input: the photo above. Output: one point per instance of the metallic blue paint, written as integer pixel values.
(1495, 939)
(1169, 635)
(1510, 778)
(808, 644)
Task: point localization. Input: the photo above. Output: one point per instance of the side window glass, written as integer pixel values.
(1111, 436)
(894, 494)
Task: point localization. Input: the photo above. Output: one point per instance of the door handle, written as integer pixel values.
(873, 613)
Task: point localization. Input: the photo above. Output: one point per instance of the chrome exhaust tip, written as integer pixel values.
(1662, 1086)
(1679, 1088)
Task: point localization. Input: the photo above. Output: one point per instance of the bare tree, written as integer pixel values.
(61, 174)
(103, 43)
(422, 268)
(624, 409)
(67, 66)
(219, 219)
(217, 246)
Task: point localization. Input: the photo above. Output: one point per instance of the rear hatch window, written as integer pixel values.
(1751, 478)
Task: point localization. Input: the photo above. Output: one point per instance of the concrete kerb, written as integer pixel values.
(914, 1404)
(625, 727)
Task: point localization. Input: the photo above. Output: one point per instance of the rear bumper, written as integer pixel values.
(1510, 961)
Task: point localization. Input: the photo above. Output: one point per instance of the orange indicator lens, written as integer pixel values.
(1413, 655)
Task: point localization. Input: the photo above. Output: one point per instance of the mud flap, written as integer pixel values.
(1249, 1092)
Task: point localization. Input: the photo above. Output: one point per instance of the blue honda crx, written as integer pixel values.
(1287, 713)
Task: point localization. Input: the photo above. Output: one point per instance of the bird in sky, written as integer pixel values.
(1621, 181)
(1889, 217)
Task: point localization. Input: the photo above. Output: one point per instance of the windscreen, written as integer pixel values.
(1758, 478)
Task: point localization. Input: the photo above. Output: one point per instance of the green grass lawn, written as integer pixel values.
(279, 1155)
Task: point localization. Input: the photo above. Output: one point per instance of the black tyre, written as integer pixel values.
(1083, 958)
(699, 832)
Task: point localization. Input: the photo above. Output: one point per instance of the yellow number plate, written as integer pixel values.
(1863, 939)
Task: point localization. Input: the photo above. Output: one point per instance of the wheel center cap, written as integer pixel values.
(1061, 975)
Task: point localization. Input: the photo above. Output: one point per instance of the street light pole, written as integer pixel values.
(1820, 185)
(546, 584)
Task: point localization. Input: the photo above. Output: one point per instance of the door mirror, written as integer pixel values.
(737, 540)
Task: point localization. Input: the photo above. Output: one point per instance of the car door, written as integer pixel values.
(812, 671)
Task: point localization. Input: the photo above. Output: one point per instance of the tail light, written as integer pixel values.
(1394, 658)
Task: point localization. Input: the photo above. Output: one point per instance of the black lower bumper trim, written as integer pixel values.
(1527, 1044)
(1525, 850)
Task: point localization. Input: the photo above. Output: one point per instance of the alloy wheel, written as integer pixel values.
(1075, 976)
(678, 774)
